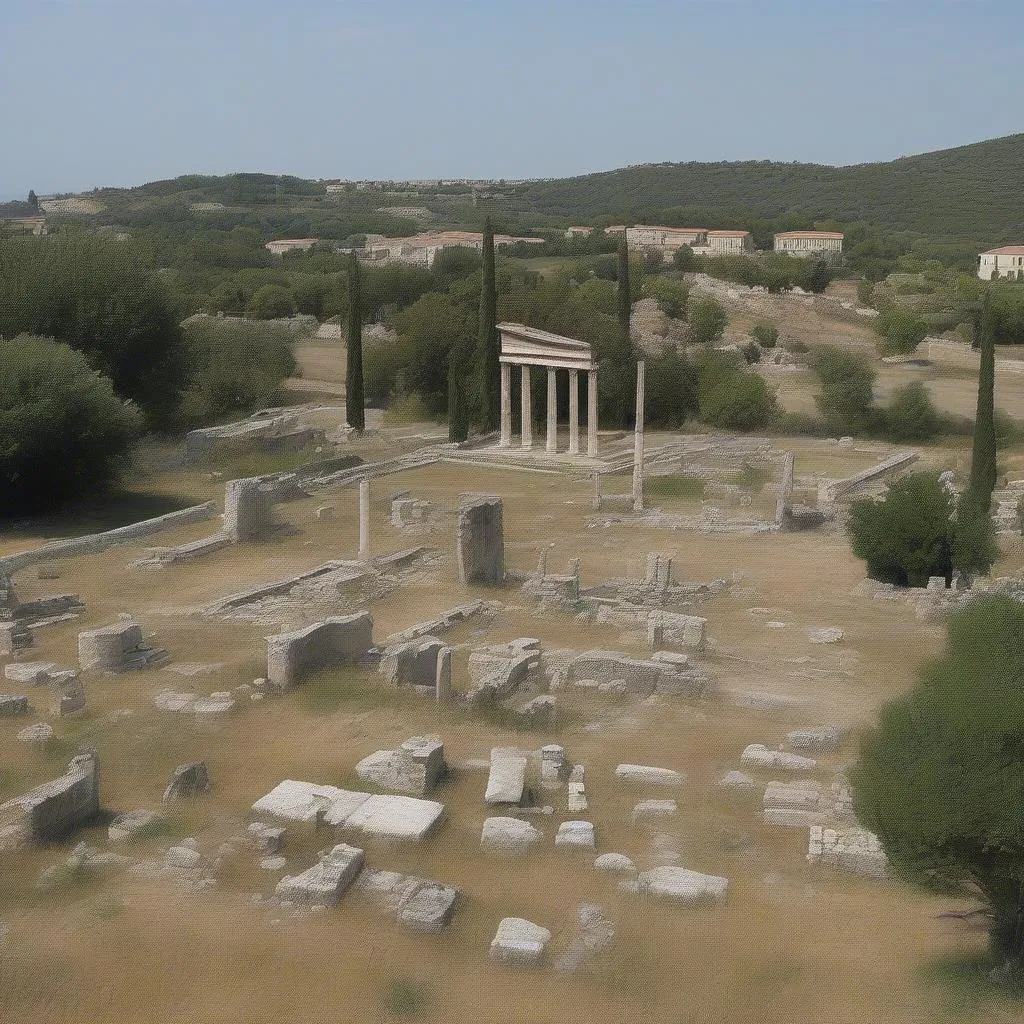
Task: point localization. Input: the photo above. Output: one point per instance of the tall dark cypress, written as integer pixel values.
(488, 342)
(355, 414)
(622, 292)
(983, 457)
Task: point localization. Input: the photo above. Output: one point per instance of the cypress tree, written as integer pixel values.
(983, 456)
(488, 343)
(355, 414)
(622, 298)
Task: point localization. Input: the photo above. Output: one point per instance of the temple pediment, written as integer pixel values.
(528, 345)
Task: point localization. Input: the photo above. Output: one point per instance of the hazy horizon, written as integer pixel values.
(95, 97)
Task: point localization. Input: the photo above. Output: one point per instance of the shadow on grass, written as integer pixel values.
(96, 515)
(966, 991)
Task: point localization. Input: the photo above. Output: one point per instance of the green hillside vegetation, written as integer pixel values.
(970, 192)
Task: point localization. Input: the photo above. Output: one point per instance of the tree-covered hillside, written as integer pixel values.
(971, 192)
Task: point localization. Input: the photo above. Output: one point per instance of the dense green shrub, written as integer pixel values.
(765, 334)
(672, 296)
(847, 382)
(917, 531)
(730, 396)
(911, 415)
(707, 320)
(235, 365)
(670, 391)
(900, 329)
(63, 431)
(270, 302)
(905, 537)
(939, 781)
(101, 298)
(751, 352)
(865, 291)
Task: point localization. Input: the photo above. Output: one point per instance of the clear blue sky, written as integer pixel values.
(119, 92)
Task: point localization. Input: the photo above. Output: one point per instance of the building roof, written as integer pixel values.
(661, 227)
(1006, 250)
(293, 241)
(810, 234)
(727, 233)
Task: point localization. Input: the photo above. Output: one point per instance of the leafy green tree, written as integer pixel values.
(707, 319)
(233, 366)
(101, 298)
(847, 383)
(355, 414)
(900, 329)
(270, 302)
(730, 396)
(622, 290)
(819, 276)
(939, 780)
(983, 455)
(766, 335)
(64, 433)
(911, 415)
(865, 291)
(672, 296)
(906, 537)
(684, 258)
(488, 339)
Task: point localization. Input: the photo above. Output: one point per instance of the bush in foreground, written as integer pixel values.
(63, 431)
(939, 777)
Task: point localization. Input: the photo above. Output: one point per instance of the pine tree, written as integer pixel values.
(622, 296)
(983, 457)
(488, 342)
(355, 414)
(33, 199)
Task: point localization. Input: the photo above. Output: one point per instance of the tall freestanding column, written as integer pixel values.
(527, 409)
(364, 519)
(592, 413)
(552, 445)
(506, 406)
(574, 412)
(638, 442)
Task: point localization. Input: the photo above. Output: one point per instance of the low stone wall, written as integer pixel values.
(52, 810)
(829, 491)
(292, 656)
(480, 540)
(92, 543)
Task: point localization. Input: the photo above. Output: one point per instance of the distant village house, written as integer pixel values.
(282, 245)
(422, 250)
(1006, 261)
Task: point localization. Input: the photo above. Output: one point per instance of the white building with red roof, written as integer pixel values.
(809, 243)
(1006, 261)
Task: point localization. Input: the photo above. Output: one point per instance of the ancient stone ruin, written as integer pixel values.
(117, 648)
(480, 545)
(293, 656)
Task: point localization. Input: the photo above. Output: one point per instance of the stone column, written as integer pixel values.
(638, 442)
(364, 519)
(574, 412)
(506, 406)
(527, 409)
(592, 413)
(552, 445)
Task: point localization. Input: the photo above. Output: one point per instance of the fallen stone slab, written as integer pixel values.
(576, 834)
(823, 739)
(650, 810)
(12, 705)
(30, 673)
(682, 885)
(36, 735)
(174, 700)
(415, 767)
(428, 908)
(792, 817)
(214, 706)
(759, 756)
(519, 941)
(801, 795)
(615, 863)
(647, 774)
(188, 780)
(825, 635)
(50, 811)
(737, 781)
(510, 835)
(301, 801)
(855, 850)
(394, 817)
(507, 779)
(325, 882)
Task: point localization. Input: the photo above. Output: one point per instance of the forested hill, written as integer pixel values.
(971, 192)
